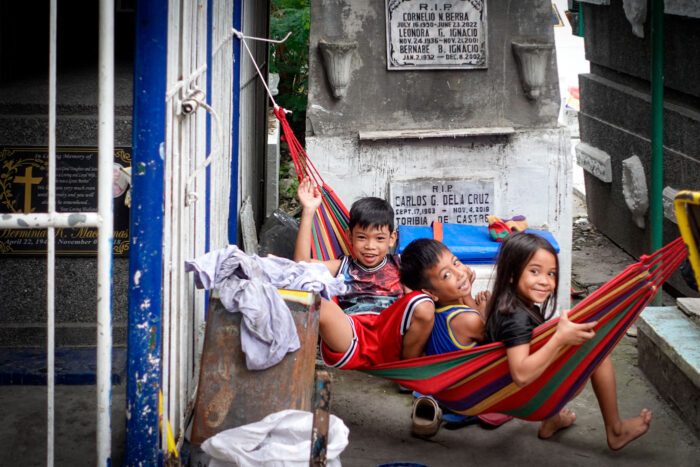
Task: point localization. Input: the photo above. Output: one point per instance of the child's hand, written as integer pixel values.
(573, 333)
(482, 299)
(309, 195)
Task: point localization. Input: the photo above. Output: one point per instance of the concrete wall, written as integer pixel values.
(615, 115)
(381, 99)
(529, 167)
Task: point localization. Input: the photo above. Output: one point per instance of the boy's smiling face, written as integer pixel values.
(370, 244)
(449, 279)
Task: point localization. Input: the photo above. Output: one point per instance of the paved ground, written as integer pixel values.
(379, 417)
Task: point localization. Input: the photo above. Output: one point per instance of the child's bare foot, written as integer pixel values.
(628, 430)
(563, 419)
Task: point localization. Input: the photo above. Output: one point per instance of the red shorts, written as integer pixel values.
(377, 338)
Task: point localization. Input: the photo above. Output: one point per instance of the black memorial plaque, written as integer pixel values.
(24, 189)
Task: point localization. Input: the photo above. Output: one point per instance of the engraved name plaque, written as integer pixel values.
(425, 35)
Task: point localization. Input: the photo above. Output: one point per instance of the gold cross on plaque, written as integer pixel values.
(28, 181)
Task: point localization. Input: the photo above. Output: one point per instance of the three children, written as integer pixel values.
(524, 296)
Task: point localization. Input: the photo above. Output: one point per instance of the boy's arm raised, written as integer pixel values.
(310, 199)
(525, 367)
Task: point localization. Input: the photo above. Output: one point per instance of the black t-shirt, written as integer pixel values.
(512, 329)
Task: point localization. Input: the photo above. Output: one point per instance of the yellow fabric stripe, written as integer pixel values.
(505, 392)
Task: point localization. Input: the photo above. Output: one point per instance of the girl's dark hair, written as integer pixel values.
(516, 251)
(419, 255)
(371, 212)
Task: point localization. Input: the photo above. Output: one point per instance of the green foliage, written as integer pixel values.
(291, 58)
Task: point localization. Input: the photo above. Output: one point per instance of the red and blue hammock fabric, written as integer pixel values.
(328, 236)
(477, 380)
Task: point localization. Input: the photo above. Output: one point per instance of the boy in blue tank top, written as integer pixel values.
(429, 266)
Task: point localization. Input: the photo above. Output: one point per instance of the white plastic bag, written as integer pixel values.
(280, 439)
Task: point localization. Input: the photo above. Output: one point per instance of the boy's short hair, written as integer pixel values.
(371, 212)
(419, 256)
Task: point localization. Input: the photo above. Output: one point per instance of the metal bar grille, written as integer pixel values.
(102, 219)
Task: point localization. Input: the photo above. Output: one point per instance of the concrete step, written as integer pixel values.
(669, 355)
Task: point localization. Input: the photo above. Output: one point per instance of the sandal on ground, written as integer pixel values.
(426, 416)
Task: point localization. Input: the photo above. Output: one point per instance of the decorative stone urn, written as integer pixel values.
(532, 59)
(337, 58)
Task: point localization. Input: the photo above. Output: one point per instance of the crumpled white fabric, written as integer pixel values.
(248, 284)
(280, 439)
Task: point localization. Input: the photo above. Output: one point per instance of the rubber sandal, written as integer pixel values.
(493, 420)
(426, 416)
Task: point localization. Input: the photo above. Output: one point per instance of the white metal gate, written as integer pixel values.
(196, 199)
(102, 219)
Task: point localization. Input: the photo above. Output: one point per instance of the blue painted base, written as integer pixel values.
(72, 366)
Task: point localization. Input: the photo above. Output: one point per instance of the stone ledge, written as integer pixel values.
(670, 357)
(676, 335)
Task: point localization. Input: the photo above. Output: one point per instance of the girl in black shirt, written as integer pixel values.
(523, 297)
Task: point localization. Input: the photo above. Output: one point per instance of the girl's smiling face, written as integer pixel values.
(539, 278)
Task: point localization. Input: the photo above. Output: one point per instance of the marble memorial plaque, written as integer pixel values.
(420, 202)
(24, 189)
(429, 34)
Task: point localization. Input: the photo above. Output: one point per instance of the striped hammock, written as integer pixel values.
(328, 235)
(478, 380)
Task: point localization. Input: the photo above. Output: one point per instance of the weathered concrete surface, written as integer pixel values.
(378, 99)
(23, 427)
(670, 357)
(616, 111)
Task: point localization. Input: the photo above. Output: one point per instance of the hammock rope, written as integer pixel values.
(329, 239)
(478, 380)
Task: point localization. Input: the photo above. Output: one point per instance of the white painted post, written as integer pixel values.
(105, 164)
(50, 245)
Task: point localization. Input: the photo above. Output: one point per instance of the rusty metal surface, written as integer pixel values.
(230, 395)
(322, 416)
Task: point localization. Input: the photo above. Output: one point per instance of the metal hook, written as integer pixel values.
(240, 35)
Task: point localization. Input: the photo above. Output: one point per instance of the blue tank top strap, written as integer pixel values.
(442, 339)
